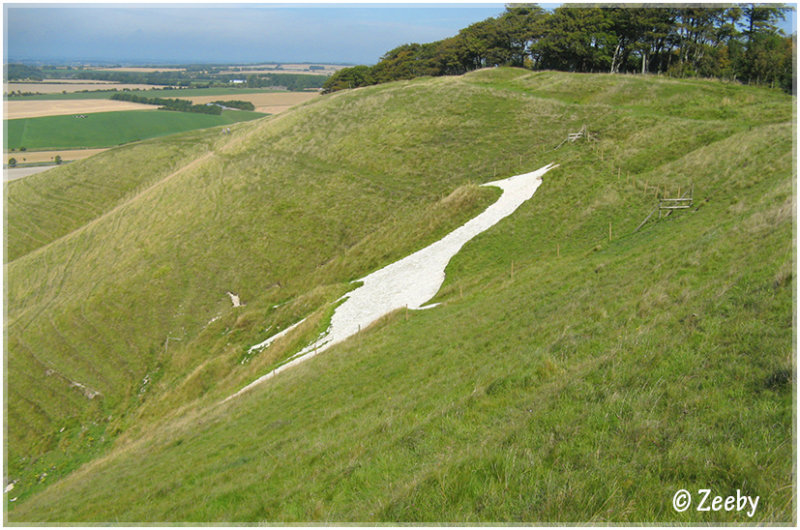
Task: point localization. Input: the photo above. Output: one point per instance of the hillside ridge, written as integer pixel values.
(452, 414)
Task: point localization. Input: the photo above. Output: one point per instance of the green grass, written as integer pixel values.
(106, 94)
(590, 384)
(108, 129)
(40, 209)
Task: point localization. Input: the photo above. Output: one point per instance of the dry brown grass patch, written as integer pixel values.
(50, 156)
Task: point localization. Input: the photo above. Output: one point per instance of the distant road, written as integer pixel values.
(19, 172)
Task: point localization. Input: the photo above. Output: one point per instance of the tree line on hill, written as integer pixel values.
(738, 43)
(293, 82)
(181, 105)
(23, 71)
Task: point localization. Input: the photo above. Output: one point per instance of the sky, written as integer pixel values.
(247, 33)
(233, 33)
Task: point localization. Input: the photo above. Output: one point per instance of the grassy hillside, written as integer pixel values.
(107, 129)
(41, 209)
(575, 371)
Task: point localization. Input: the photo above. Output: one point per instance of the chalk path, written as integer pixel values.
(411, 281)
(21, 172)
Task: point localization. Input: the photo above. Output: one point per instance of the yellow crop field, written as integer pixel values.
(77, 81)
(35, 157)
(62, 107)
(267, 102)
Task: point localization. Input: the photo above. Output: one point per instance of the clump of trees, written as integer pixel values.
(292, 82)
(740, 43)
(181, 105)
(236, 104)
(17, 72)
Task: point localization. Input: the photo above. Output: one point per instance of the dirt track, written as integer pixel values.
(20, 172)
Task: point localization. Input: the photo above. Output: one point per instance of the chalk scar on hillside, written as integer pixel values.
(411, 281)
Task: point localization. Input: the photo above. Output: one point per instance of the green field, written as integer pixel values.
(574, 371)
(182, 93)
(107, 129)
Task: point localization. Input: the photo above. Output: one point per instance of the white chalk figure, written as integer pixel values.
(235, 299)
(413, 280)
(273, 338)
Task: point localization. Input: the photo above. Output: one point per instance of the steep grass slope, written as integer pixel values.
(41, 209)
(575, 370)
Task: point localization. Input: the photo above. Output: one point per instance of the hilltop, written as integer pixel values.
(574, 370)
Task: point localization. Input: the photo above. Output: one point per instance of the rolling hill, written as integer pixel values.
(575, 369)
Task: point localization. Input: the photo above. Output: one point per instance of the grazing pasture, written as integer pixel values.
(569, 373)
(107, 129)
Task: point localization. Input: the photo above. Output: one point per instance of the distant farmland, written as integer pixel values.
(71, 86)
(100, 92)
(269, 102)
(107, 129)
(141, 69)
(49, 121)
(39, 108)
(49, 157)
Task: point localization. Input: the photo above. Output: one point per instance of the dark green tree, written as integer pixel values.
(352, 77)
(764, 57)
(577, 39)
(518, 29)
